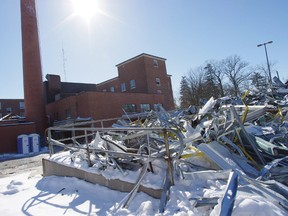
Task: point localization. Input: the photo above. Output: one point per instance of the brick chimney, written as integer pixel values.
(32, 72)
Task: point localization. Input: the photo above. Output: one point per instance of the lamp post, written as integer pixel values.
(268, 65)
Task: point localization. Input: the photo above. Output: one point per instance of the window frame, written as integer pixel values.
(156, 106)
(23, 105)
(123, 87)
(9, 110)
(130, 108)
(132, 84)
(56, 116)
(155, 63)
(143, 107)
(68, 113)
(158, 81)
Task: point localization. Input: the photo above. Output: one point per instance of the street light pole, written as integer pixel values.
(268, 65)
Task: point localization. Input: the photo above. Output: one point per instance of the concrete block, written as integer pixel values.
(53, 168)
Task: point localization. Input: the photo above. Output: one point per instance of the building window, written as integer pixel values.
(157, 107)
(57, 97)
(145, 107)
(129, 108)
(155, 63)
(21, 105)
(56, 116)
(132, 84)
(22, 114)
(0, 115)
(9, 110)
(123, 87)
(112, 89)
(68, 113)
(158, 83)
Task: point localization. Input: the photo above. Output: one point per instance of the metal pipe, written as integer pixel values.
(169, 160)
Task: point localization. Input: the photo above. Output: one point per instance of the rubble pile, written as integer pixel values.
(241, 142)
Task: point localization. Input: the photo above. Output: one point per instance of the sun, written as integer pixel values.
(85, 8)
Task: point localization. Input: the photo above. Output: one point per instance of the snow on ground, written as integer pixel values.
(24, 194)
(59, 196)
(37, 195)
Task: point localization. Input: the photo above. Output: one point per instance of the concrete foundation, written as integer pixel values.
(53, 168)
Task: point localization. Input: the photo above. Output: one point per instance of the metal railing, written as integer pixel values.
(133, 142)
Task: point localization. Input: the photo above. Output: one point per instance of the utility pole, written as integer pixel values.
(268, 65)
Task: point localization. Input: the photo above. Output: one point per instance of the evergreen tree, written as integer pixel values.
(258, 81)
(210, 87)
(184, 93)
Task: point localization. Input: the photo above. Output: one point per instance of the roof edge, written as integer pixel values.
(138, 56)
(107, 81)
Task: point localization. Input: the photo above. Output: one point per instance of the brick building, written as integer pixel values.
(142, 82)
(12, 106)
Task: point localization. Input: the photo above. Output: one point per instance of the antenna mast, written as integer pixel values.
(64, 60)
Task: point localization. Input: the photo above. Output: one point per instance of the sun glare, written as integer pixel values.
(85, 8)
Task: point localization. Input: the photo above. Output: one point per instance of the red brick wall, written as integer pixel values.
(9, 133)
(134, 70)
(106, 85)
(11, 103)
(57, 110)
(107, 105)
(144, 72)
(100, 105)
(103, 105)
(165, 86)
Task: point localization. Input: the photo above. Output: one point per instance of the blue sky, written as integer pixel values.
(185, 32)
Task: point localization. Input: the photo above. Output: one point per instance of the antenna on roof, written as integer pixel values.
(64, 60)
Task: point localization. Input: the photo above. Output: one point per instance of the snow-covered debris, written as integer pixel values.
(177, 146)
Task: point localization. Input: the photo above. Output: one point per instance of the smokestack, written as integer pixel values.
(32, 72)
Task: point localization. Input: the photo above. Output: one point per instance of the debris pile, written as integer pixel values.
(243, 145)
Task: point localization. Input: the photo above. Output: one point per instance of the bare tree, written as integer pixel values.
(196, 81)
(217, 73)
(193, 88)
(236, 71)
(263, 70)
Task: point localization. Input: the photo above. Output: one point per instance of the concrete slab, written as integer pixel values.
(53, 168)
